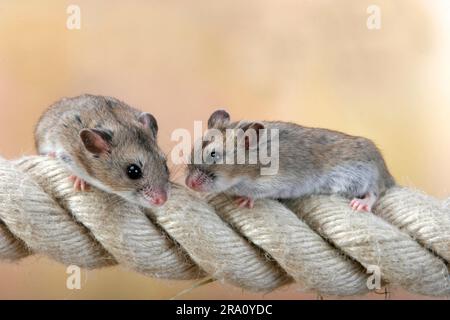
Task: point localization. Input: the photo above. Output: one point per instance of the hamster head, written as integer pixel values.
(127, 161)
(223, 160)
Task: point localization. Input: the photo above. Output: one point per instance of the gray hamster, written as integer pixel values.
(311, 161)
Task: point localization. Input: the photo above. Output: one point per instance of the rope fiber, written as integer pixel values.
(319, 243)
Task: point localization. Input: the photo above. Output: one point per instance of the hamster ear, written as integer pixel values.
(252, 133)
(218, 119)
(96, 141)
(149, 121)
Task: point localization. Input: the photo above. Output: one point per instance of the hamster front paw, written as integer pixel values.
(245, 202)
(79, 184)
(363, 204)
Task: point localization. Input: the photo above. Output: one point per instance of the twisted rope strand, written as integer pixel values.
(317, 242)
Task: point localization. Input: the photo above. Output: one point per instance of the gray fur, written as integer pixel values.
(311, 161)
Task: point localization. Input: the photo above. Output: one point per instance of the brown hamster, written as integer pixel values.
(310, 161)
(107, 144)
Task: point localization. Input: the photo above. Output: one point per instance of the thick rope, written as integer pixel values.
(317, 242)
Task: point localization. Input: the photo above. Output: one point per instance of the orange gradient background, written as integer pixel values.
(310, 62)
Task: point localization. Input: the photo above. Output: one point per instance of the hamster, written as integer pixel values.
(311, 161)
(107, 144)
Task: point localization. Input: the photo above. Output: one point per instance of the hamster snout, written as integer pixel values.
(156, 196)
(195, 182)
(199, 180)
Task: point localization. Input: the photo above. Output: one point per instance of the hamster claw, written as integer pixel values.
(244, 202)
(79, 184)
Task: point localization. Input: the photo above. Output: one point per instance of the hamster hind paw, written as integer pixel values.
(364, 204)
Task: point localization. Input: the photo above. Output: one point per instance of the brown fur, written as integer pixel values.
(130, 142)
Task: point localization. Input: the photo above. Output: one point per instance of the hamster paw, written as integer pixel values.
(244, 202)
(364, 204)
(79, 184)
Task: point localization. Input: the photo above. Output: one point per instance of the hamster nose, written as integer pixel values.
(192, 183)
(159, 198)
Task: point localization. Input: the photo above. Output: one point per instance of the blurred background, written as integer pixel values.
(312, 62)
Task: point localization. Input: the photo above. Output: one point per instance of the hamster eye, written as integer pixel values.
(134, 172)
(213, 154)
